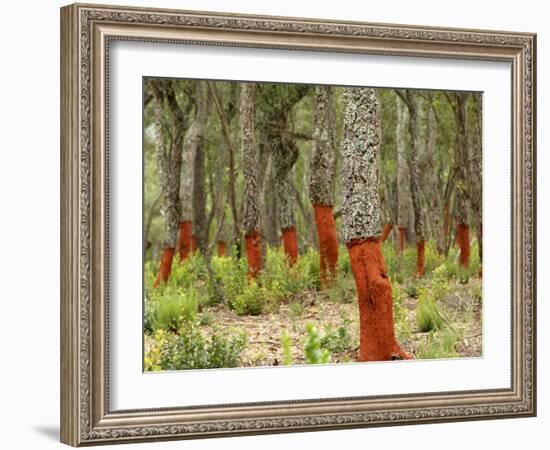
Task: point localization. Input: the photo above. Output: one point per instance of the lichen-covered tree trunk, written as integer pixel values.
(409, 99)
(434, 192)
(461, 168)
(403, 184)
(476, 184)
(269, 205)
(192, 194)
(169, 132)
(186, 196)
(278, 137)
(361, 225)
(321, 181)
(251, 204)
(219, 201)
(284, 158)
(199, 173)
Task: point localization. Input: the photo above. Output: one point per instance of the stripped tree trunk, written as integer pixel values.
(322, 180)
(169, 133)
(458, 103)
(361, 225)
(251, 204)
(403, 197)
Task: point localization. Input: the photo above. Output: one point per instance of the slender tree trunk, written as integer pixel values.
(475, 174)
(225, 119)
(219, 201)
(322, 180)
(461, 163)
(279, 139)
(403, 197)
(269, 205)
(169, 138)
(251, 204)
(199, 178)
(285, 155)
(361, 225)
(409, 99)
(386, 231)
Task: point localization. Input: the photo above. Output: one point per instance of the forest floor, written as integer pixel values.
(460, 309)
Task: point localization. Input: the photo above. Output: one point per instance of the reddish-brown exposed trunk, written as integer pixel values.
(420, 247)
(221, 248)
(402, 239)
(377, 338)
(165, 266)
(290, 245)
(463, 240)
(386, 231)
(253, 254)
(184, 239)
(328, 242)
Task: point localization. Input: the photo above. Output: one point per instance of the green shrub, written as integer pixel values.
(337, 340)
(191, 349)
(400, 312)
(439, 345)
(313, 352)
(286, 345)
(189, 272)
(344, 262)
(284, 281)
(206, 319)
(172, 307)
(230, 273)
(477, 291)
(149, 311)
(428, 317)
(342, 289)
(439, 283)
(412, 290)
(295, 310)
(432, 258)
(251, 301)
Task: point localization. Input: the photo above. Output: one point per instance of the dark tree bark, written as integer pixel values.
(476, 168)
(321, 182)
(461, 163)
(403, 183)
(169, 128)
(199, 176)
(361, 225)
(408, 98)
(279, 139)
(225, 116)
(218, 201)
(251, 204)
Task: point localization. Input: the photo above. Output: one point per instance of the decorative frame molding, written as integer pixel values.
(86, 31)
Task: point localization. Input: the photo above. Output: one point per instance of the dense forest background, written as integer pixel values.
(274, 299)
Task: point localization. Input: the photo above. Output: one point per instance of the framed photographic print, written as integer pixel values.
(276, 224)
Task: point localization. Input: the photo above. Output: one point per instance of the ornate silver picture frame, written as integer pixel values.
(87, 32)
